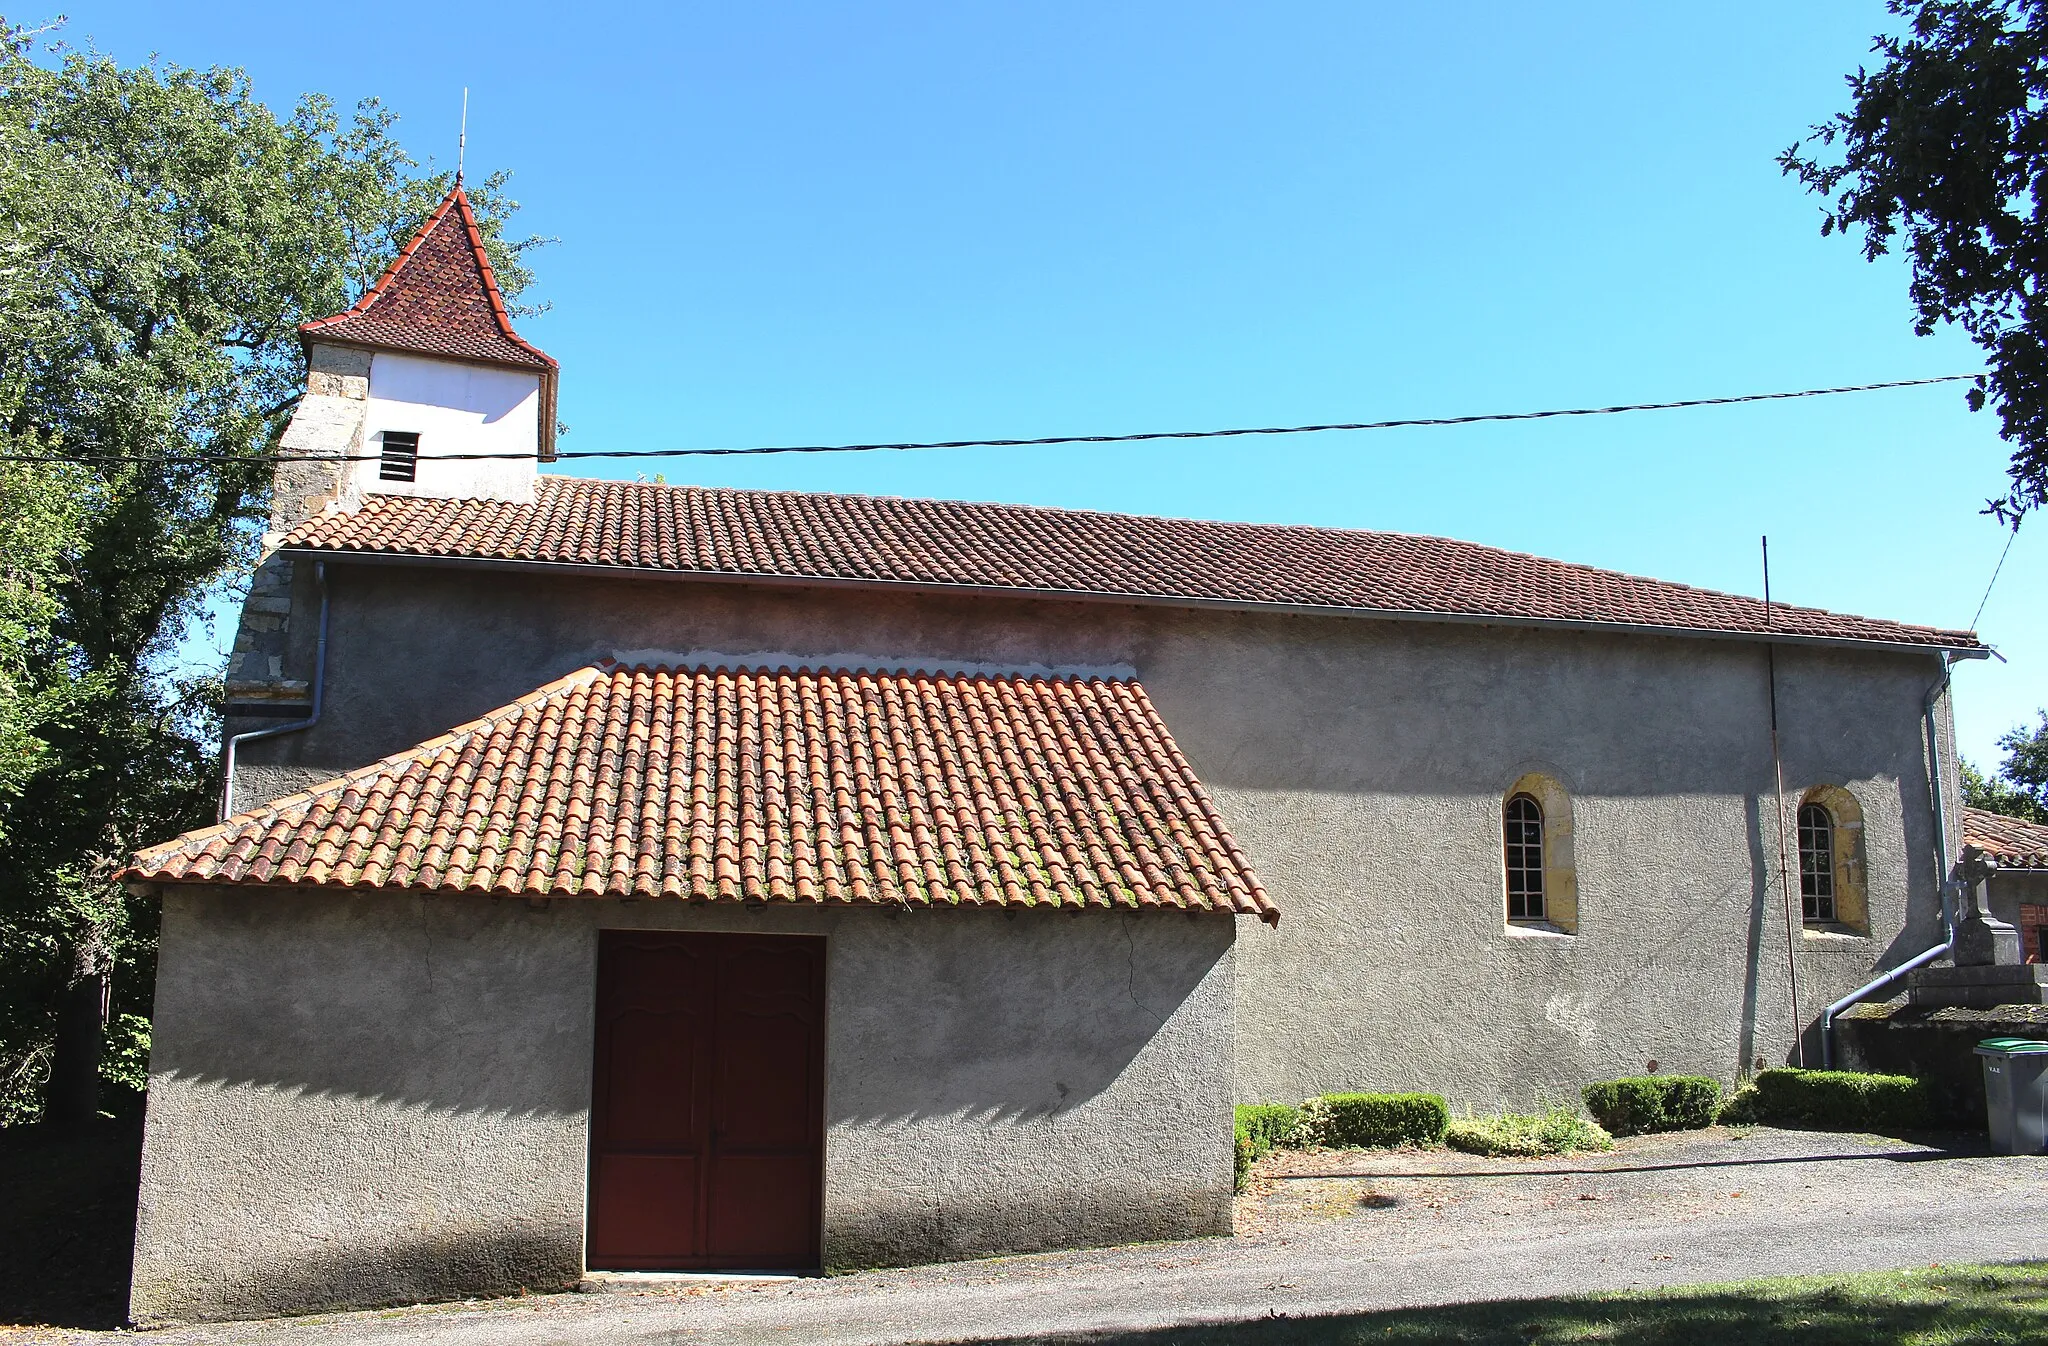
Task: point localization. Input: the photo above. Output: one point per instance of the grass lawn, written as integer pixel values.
(1938, 1306)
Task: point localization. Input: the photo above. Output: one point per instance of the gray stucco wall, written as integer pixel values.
(1362, 765)
(380, 1099)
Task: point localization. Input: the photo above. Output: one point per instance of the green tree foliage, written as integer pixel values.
(41, 509)
(2020, 789)
(162, 236)
(1944, 152)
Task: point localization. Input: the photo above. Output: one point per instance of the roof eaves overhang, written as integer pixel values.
(158, 887)
(318, 338)
(590, 570)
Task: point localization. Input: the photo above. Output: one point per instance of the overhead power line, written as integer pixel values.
(1417, 422)
(2003, 553)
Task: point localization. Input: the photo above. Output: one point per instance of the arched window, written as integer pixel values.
(1537, 857)
(1817, 862)
(1833, 884)
(1522, 827)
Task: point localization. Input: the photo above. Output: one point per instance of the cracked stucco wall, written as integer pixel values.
(382, 1099)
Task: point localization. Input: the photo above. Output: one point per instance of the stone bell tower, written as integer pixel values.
(423, 369)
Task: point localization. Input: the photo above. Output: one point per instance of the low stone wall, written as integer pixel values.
(1896, 1038)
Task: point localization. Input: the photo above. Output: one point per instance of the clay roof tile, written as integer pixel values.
(2014, 842)
(800, 538)
(439, 296)
(783, 786)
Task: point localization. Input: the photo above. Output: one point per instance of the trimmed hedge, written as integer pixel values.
(1368, 1121)
(1244, 1153)
(1259, 1128)
(1740, 1107)
(1842, 1100)
(1644, 1103)
(1270, 1124)
(1338, 1122)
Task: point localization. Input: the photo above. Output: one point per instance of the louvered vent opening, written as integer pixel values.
(401, 457)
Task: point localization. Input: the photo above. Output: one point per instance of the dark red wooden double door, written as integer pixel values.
(707, 1117)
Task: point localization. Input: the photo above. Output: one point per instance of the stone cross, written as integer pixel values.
(1982, 939)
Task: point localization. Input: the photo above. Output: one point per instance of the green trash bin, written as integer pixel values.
(2016, 1093)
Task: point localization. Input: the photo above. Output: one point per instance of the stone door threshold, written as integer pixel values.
(597, 1282)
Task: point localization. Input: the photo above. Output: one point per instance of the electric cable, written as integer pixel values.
(1416, 422)
(1994, 577)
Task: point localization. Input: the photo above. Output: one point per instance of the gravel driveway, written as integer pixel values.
(1339, 1233)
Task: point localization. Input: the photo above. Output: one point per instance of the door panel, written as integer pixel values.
(763, 1097)
(641, 1195)
(707, 1109)
(761, 1208)
(650, 1077)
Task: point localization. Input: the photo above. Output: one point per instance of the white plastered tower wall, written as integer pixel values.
(455, 408)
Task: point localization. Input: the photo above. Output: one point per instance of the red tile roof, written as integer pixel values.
(805, 537)
(439, 297)
(803, 788)
(2013, 842)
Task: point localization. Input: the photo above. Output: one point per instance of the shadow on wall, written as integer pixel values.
(1258, 702)
(463, 1004)
(1752, 970)
(356, 1274)
(1400, 708)
(879, 1227)
(1021, 1016)
(483, 1006)
(489, 393)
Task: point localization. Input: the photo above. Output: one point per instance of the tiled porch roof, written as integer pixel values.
(2013, 842)
(800, 788)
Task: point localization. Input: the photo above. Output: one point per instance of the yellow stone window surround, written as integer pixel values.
(1560, 872)
(1852, 886)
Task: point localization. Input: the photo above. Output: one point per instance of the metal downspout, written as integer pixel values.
(230, 748)
(1948, 922)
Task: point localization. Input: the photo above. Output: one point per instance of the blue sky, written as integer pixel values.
(813, 222)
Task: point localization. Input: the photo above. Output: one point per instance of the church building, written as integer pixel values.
(631, 877)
